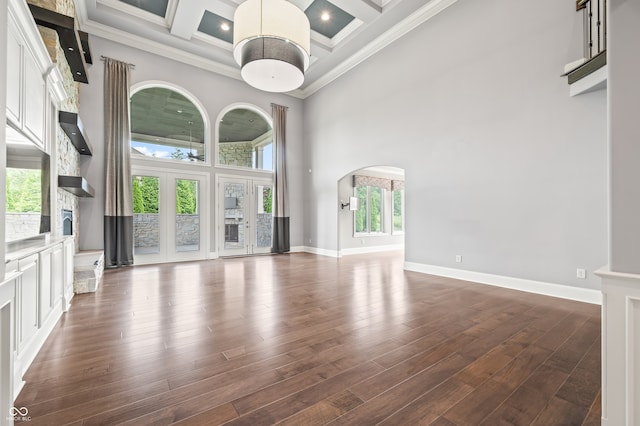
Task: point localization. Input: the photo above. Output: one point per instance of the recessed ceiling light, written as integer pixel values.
(225, 26)
(325, 16)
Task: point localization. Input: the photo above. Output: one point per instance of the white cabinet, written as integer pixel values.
(45, 290)
(27, 64)
(39, 285)
(27, 301)
(7, 327)
(57, 275)
(67, 284)
(14, 75)
(34, 100)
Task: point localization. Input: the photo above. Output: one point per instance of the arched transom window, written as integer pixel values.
(166, 124)
(245, 138)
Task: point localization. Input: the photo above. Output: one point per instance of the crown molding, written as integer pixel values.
(419, 17)
(160, 49)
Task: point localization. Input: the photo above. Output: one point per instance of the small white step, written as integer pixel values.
(88, 267)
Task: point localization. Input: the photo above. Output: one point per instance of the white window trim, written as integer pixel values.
(393, 231)
(368, 233)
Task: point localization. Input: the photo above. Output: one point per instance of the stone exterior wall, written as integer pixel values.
(21, 225)
(264, 225)
(146, 230)
(68, 158)
(187, 230)
(235, 154)
(66, 7)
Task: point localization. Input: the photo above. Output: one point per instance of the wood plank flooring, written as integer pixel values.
(301, 339)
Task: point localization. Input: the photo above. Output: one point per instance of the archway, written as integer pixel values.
(376, 222)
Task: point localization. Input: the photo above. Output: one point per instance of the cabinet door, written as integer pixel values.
(14, 75)
(57, 274)
(67, 284)
(34, 99)
(28, 299)
(45, 283)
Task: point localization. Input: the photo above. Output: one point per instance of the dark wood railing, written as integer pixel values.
(595, 38)
(595, 26)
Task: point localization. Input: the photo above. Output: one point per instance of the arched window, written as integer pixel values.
(167, 123)
(245, 138)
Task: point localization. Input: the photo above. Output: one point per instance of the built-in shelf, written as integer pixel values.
(75, 49)
(76, 185)
(72, 126)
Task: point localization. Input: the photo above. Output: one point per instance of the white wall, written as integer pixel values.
(215, 92)
(501, 165)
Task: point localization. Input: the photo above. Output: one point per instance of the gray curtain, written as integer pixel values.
(280, 242)
(118, 214)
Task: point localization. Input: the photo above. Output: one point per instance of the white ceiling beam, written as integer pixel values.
(189, 14)
(302, 4)
(363, 10)
(187, 18)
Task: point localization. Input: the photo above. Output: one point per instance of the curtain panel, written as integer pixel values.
(280, 241)
(118, 218)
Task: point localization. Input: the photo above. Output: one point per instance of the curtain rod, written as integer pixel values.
(103, 58)
(274, 104)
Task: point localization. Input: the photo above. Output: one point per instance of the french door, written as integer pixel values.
(245, 218)
(170, 216)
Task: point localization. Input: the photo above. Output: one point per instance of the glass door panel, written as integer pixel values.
(187, 227)
(146, 215)
(264, 217)
(169, 216)
(234, 217)
(245, 216)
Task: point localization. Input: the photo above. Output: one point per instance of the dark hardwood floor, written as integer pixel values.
(301, 339)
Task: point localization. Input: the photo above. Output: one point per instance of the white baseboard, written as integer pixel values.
(548, 289)
(319, 251)
(370, 249)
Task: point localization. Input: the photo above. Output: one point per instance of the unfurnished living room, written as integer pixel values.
(309, 212)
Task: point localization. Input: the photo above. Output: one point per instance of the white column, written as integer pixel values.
(621, 279)
(259, 157)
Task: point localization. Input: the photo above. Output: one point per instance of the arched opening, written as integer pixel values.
(244, 138)
(167, 123)
(371, 210)
(170, 202)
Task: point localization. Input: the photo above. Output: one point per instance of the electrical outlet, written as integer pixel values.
(458, 258)
(581, 273)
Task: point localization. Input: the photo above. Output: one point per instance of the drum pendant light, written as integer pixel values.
(271, 43)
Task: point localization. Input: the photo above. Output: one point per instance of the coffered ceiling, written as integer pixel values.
(200, 32)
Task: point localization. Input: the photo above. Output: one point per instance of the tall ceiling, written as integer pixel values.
(191, 31)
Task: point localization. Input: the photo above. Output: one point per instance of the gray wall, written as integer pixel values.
(624, 134)
(215, 92)
(501, 165)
